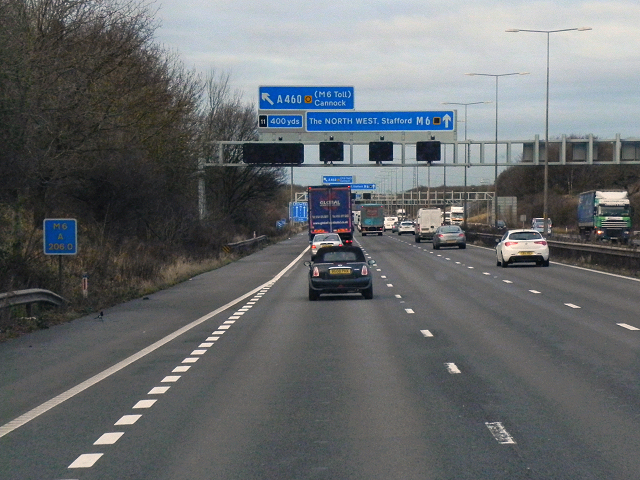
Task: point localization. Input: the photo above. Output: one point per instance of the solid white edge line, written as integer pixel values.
(55, 401)
(576, 267)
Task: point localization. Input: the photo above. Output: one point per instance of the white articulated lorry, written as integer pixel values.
(427, 221)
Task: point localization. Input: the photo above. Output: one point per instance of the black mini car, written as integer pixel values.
(340, 270)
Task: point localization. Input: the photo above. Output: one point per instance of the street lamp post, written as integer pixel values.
(495, 174)
(546, 127)
(466, 154)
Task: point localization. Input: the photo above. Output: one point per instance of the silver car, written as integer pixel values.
(449, 236)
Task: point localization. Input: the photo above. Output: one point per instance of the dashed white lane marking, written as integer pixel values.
(190, 360)
(238, 313)
(507, 281)
(426, 333)
(499, 432)
(223, 327)
(398, 296)
(628, 327)
(205, 345)
(144, 404)
(128, 420)
(383, 276)
(109, 438)
(234, 317)
(486, 273)
(218, 332)
(171, 379)
(534, 291)
(198, 352)
(409, 310)
(63, 397)
(86, 460)
(181, 369)
(212, 339)
(389, 284)
(452, 368)
(471, 268)
(158, 390)
(571, 305)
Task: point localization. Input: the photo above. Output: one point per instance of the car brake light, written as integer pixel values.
(313, 247)
(508, 244)
(540, 242)
(461, 234)
(365, 270)
(316, 272)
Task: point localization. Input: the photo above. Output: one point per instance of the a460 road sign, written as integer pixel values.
(306, 98)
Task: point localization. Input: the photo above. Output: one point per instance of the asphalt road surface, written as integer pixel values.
(456, 369)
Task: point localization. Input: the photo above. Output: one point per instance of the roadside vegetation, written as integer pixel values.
(100, 123)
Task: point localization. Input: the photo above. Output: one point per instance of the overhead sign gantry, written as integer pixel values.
(291, 116)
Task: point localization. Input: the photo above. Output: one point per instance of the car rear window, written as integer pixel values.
(342, 256)
(525, 236)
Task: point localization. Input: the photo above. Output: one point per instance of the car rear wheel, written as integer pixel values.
(504, 263)
(313, 295)
(368, 293)
(545, 263)
(463, 246)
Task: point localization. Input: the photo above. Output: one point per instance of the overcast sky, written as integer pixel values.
(411, 55)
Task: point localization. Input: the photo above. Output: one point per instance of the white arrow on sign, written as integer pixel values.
(265, 97)
(446, 119)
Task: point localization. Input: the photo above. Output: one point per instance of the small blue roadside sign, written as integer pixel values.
(305, 98)
(60, 236)
(380, 121)
(280, 121)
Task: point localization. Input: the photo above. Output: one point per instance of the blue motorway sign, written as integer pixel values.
(281, 121)
(306, 98)
(339, 179)
(299, 211)
(363, 186)
(380, 121)
(356, 186)
(60, 236)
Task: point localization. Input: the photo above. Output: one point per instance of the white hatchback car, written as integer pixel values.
(406, 226)
(518, 246)
(324, 240)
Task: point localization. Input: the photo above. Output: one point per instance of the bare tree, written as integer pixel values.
(236, 194)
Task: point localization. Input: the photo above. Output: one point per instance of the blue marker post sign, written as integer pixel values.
(60, 236)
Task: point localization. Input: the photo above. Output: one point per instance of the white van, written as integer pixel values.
(388, 223)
